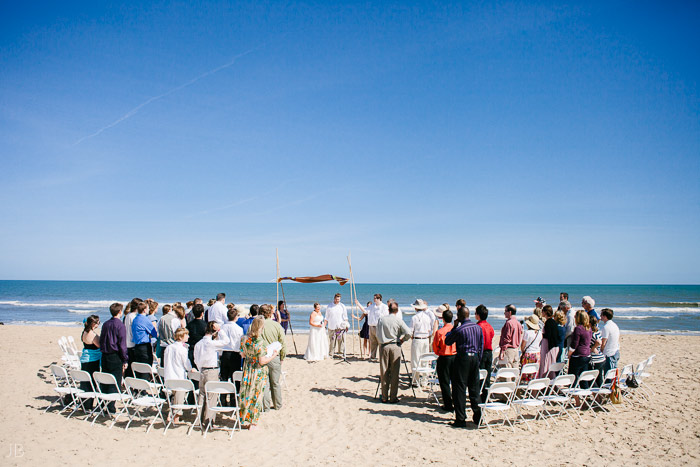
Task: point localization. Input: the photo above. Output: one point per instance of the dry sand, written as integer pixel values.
(330, 416)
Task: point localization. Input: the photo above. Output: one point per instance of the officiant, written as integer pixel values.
(273, 332)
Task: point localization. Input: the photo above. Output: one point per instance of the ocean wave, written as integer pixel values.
(642, 317)
(44, 323)
(653, 309)
(71, 305)
(683, 304)
(81, 311)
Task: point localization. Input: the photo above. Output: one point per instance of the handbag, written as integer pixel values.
(632, 382)
(615, 394)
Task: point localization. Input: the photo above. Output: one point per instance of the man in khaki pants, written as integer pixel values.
(391, 333)
(511, 336)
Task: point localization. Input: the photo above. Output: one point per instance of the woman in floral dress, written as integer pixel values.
(254, 373)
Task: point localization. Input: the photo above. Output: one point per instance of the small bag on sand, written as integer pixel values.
(615, 395)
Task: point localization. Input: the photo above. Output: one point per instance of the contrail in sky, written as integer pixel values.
(136, 109)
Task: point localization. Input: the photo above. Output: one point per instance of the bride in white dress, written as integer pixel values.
(318, 340)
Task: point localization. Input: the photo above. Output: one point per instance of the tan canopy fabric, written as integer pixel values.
(311, 279)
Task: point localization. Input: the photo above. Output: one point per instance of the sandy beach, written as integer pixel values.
(330, 416)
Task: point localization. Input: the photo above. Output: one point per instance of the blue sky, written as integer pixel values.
(477, 142)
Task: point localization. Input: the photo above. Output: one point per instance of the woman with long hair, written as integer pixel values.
(255, 374)
(550, 342)
(580, 350)
(91, 356)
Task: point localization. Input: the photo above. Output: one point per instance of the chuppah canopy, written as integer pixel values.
(312, 279)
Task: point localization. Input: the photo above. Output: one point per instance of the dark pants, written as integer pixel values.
(90, 367)
(130, 354)
(578, 365)
(443, 367)
(486, 363)
(112, 364)
(465, 377)
(143, 353)
(597, 366)
(230, 362)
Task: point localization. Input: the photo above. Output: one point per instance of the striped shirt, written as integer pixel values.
(468, 337)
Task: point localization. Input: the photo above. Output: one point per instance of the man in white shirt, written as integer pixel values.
(337, 325)
(231, 353)
(218, 310)
(176, 364)
(421, 327)
(206, 358)
(610, 335)
(375, 311)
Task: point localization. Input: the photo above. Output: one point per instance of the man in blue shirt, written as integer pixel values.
(142, 330)
(246, 322)
(465, 370)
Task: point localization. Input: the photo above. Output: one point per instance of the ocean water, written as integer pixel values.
(638, 308)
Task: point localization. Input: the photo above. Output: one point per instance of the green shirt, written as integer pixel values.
(391, 328)
(273, 332)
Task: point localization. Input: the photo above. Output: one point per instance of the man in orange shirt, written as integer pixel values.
(446, 356)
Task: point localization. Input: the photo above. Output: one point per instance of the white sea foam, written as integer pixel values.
(44, 323)
(82, 311)
(617, 316)
(70, 305)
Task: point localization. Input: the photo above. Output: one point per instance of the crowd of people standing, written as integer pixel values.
(217, 340)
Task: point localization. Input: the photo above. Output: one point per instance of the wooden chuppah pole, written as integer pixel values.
(353, 293)
(284, 300)
(277, 274)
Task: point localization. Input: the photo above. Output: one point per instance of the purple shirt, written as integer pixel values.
(581, 341)
(113, 338)
(468, 337)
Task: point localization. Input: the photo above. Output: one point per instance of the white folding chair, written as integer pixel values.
(148, 370)
(482, 378)
(70, 355)
(503, 390)
(601, 395)
(220, 388)
(105, 398)
(527, 370)
(558, 396)
(194, 375)
(186, 386)
(425, 370)
(144, 394)
(505, 373)
(71, 345)
(641, 373)
(583, 394)
(556, 368)
(78, 377)
(529, 400)
(63, 387)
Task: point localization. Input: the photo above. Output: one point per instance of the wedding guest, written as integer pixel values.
(167, 326)
(197, 328)
(190, 313)
(273, 332)
(207, 359)
(445, 359)
(245, 323)
(177, 365)
(550, 342)
(180, 320)
(597, 357)
(217, 312)
(580, 348)
(255, 373)
(152, 308)
(142, 330)
(588, 304)
(231, 355)
(364, 330)
(128, 320)
(610, 337)
(486, 363)
(374, 311)
(421, 328)
(511, 336)
(113, 346)
(469, 340)
(391, 333)
(530, 345)
(91, 355)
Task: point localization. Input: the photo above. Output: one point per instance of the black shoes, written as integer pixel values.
(459, 424)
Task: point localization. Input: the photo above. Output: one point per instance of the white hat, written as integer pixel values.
(420, 304)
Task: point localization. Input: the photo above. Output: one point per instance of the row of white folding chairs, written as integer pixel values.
(549, 398)
(70, 356)
(641, 373)
(140, 394)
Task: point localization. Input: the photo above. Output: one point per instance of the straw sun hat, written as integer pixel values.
(533, 322)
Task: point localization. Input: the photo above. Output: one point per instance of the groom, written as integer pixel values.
(336, 322)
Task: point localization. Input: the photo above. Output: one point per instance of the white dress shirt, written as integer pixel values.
(335, 315)
(129, 335)
(218, 312)
(422, 324)
(233, 333)
(374, 312)
(176, 362)
(205, 352)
